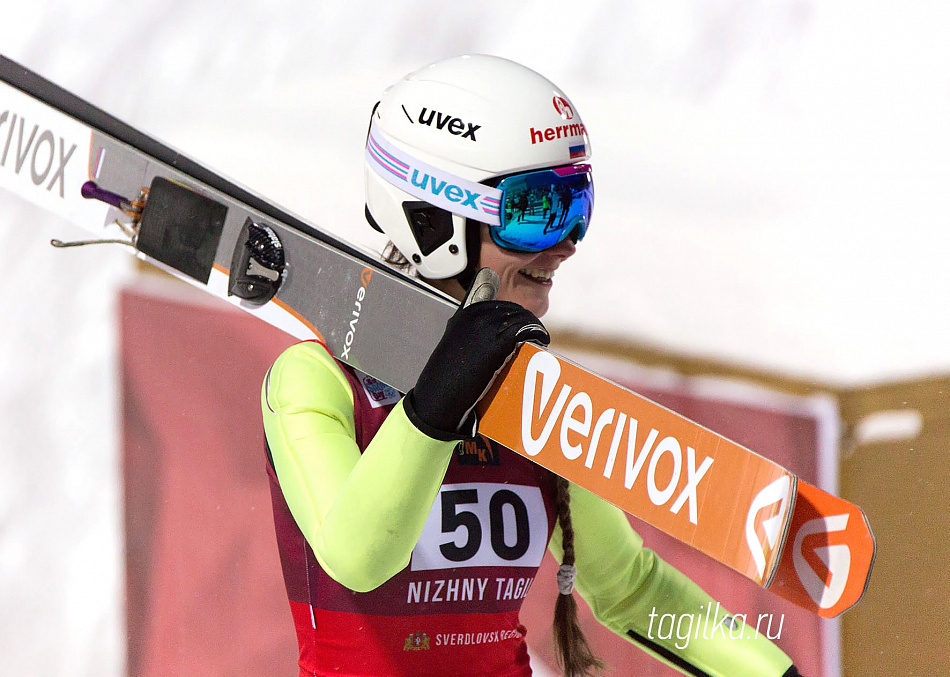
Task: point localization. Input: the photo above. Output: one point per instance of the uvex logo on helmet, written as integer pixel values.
(448, 122)
(431, 184)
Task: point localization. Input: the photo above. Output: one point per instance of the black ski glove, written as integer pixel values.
(479, 340)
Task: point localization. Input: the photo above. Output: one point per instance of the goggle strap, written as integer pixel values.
(430, 184)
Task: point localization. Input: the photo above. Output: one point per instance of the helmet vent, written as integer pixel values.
(431, 226)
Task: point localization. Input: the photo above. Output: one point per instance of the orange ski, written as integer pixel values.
(828, 555)
(701, 488)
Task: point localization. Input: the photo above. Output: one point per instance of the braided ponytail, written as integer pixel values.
(573, 653)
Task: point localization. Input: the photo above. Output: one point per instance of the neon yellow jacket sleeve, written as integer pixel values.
(624, 583)
(307, 405)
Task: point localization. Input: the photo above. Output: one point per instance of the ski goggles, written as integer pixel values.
(540, 209)
(526, 212)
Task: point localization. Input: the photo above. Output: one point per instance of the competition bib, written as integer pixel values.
(483, 525)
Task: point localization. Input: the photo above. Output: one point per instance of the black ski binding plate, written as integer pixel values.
(257, 265)
(181, 228)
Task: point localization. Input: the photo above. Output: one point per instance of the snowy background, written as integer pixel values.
(771, 190)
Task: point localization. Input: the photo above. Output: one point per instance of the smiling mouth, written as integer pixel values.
(537, 275)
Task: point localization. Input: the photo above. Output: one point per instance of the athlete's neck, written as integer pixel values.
(449, 286)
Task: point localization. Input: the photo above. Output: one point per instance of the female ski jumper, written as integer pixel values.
(407, 555)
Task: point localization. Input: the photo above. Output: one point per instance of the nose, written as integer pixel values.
(565, 248)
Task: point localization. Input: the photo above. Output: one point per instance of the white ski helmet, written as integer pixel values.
(440, 132)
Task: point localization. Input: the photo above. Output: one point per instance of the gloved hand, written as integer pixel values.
(479, 340)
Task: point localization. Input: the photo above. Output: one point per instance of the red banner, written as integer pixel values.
(205, 594)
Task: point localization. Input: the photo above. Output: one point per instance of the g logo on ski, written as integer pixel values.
(649, 461)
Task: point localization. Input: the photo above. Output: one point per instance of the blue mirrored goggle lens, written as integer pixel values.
(539, 209)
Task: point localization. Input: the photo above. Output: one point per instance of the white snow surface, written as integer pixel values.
(771, 190)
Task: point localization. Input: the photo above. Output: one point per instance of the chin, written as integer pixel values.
(537, 306)
(535, 300)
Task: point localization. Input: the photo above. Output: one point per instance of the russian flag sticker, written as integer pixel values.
(578, 151)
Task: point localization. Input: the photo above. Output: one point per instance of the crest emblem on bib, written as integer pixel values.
(417, 641)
